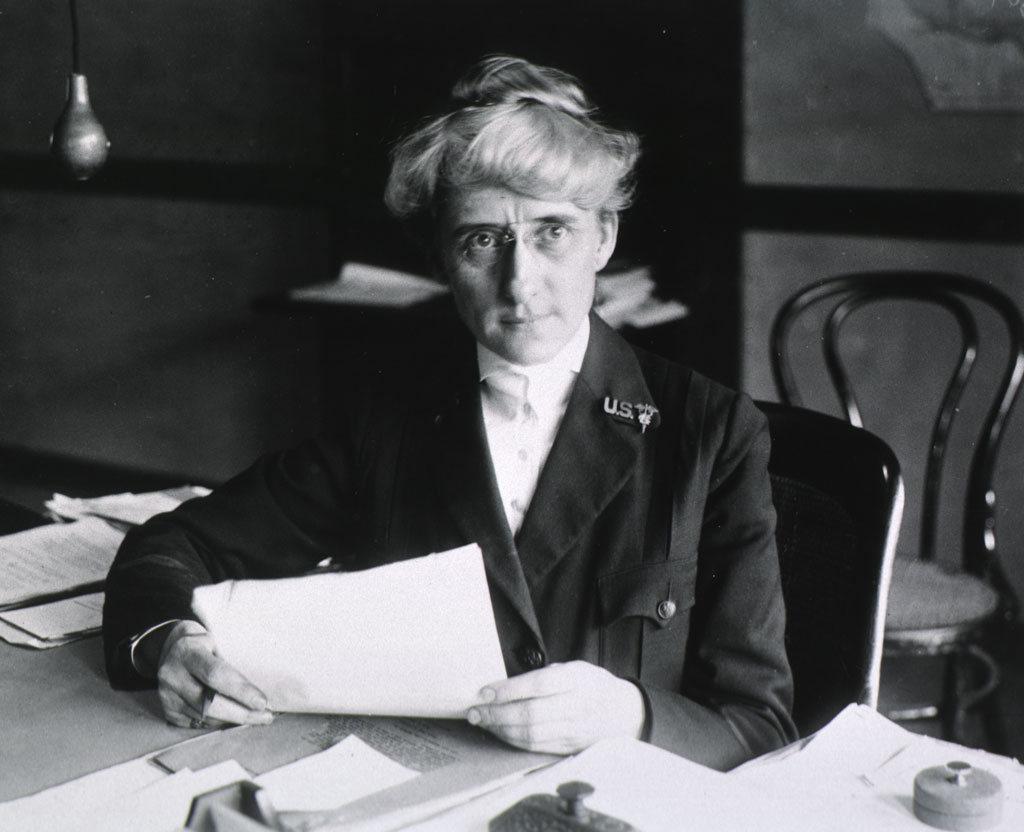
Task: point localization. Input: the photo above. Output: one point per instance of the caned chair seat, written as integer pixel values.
(926, 596)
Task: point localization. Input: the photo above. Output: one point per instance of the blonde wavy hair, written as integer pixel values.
(514, 124)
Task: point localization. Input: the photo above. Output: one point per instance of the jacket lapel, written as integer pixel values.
(464, 474)
(593, 455)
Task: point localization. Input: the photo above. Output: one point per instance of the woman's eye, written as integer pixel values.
(482, 239)
(553, 233)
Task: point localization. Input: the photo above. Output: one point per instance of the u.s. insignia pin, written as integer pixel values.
(640, 413)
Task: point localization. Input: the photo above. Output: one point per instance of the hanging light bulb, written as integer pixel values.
(79, 141)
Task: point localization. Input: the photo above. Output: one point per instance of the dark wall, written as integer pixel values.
(249, 148)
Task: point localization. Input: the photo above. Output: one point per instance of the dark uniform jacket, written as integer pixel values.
(647, 549)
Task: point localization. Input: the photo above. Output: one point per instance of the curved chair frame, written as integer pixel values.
(980, 558)
(942, 289)
(835, 662)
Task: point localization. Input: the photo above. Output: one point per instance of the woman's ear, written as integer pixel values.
(608, 223)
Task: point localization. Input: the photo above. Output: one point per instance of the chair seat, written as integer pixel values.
(925, 595)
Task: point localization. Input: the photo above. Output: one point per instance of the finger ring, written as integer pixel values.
(197, 723)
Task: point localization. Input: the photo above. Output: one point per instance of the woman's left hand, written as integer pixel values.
(561, 708)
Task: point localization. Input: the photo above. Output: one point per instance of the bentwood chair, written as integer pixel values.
(838, 499)
(951, 605)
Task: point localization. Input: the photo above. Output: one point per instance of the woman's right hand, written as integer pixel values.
(198, 689)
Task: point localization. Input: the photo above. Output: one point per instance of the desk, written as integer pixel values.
(60, 719)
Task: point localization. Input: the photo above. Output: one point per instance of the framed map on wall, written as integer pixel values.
(968, 54)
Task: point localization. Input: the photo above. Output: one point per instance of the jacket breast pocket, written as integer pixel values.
(645, 620)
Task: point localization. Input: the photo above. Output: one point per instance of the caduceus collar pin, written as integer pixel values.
(640, 413)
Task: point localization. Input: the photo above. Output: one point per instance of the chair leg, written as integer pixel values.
(952, 713)
(971, 680)
(987, 697)
(995, 726)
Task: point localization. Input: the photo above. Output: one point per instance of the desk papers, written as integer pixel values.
(54, 624)
(648, 787)
(413, 638)
(344, 772)
(627, 297)
(130, 797)
(55, 558)
(127, 507)
(51, 576)
(452, 762)
(378, 773)
(361, 284)
(858, 772)
(855, 774)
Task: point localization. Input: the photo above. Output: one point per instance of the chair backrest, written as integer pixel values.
(838, 498)
(960, 296)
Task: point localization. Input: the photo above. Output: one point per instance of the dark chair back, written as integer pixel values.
(838, 497)
(958, 295)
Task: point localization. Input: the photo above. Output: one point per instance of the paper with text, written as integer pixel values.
(344, 772)
(413, 638)
(454, 762)
(56, 557)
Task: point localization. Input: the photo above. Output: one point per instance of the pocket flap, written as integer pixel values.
(656, 591)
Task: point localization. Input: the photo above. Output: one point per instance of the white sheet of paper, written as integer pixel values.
(364, 285)
(648, 787)
(858, 773)
(344, 772)
(23, 638)
(59, 619)
(413, 638)
(124, 798)
(49, 808)
(55, 557)
(162, 806)
(127, 507)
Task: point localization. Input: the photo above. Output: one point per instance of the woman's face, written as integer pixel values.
(522, 270)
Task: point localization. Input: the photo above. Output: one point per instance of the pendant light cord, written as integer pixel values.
(75, 66)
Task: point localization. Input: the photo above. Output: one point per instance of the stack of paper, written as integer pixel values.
(131, 796)
(360, 284)
(626, 297)
(413, 638)
(318, 771)
(51, 577)
(866, 764)
(133, 509)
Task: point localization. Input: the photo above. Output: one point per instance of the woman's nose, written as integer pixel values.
(521, 271)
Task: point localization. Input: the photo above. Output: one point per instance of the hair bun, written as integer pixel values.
(504, 79)
(518, 126)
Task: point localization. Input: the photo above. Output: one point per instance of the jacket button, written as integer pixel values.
(531, 658)
(666, 609)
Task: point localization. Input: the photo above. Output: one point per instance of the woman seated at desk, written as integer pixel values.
(621, 501)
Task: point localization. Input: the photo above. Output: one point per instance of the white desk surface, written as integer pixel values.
(60, 719)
